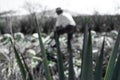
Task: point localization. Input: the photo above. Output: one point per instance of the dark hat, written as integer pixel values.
(59, 9)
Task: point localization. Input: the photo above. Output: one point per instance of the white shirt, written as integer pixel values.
(65, 19)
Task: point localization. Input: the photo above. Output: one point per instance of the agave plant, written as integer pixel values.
(18, 36)
(5, 39)
(87, 71)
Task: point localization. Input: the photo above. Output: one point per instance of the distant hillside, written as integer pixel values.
(25, 23)
(46, 13)
(51, 13)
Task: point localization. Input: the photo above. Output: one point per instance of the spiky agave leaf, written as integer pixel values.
(86, 70)
(60, 61)
(112, 60)
(98, 68)
(116, 73)
(47, 71)
(19, 61)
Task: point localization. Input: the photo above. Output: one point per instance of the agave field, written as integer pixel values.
(28, 48)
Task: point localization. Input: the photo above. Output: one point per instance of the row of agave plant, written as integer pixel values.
(87, 71)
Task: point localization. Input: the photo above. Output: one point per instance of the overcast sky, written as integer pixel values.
(79, 6)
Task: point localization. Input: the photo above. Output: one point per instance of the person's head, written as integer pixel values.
(59, 11)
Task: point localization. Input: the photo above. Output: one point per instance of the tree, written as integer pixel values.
(33, 10)
(6, 24)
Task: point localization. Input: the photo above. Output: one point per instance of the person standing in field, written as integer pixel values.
(64, 24)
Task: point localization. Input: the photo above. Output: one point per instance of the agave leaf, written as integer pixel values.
(98, 68)
(112, 60)
(116, 73)
(19, 61)
(47, 71)
(87, 73)
(60, 61)
(71, 70)
(48, 37)
(30, 77)
(85, 43)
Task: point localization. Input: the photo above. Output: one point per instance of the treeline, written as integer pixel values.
(99, 23)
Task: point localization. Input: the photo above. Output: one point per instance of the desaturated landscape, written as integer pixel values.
(29, 47)
(22, 31)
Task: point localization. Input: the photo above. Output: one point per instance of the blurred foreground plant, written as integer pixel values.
(112, 67)
(87, 71)
(26, 74)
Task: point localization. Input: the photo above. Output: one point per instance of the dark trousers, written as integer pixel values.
(69, 29)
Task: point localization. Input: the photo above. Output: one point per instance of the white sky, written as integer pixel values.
(79, 6)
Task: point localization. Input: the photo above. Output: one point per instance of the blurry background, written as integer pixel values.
(17, 15)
